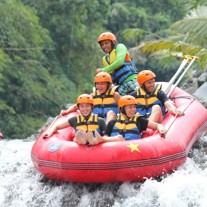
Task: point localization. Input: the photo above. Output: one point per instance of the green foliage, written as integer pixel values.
(49, 50)
(185, 37)
(30, 88)
(191, 36)
(194, 27)
(20, 126)
(150, 15)
(75, 34)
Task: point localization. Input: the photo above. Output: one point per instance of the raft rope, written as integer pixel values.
(191, 100)
(176, 97)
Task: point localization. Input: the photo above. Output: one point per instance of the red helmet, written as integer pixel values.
(144, 76)
(127, 100)
(107, 36)
(85, 98)
(103, 77)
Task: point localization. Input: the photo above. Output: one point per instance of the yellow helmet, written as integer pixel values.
(144, 76)
(127, 100)
(107, 36)
(103, 77)
(85, 98)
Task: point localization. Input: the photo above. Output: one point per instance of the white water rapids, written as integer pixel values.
(21, 185)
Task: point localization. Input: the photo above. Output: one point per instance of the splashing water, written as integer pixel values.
(21, 184)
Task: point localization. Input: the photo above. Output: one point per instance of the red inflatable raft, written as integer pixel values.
(59, 158)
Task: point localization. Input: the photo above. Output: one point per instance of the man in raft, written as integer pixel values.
(84, 124)
(152, 101)
(118, 63)
(105, 98)
(128, 125)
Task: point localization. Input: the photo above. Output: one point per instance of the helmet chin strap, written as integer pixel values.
(143, 86)
(108, 86)
(86, 117)
(113, 44)
(124, 112)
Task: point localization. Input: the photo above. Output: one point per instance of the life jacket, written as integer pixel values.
(120, 74)
(126, 127)
(91, 124)
(147, 100)
(102, 103)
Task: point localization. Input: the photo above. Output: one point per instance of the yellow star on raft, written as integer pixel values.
(133, 147)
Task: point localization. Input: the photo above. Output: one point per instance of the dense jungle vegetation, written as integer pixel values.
(49, 50)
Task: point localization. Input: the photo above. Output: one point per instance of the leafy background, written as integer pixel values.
(49, 50)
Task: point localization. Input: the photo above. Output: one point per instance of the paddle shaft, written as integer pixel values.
(182, 75)
(191, 100)
(185, 65)
(172, 80)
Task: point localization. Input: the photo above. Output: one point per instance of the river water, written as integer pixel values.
(21, 185)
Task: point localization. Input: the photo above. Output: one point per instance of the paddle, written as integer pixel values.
(182, 65)
(192, 59)
(175, 117)
(185, 65)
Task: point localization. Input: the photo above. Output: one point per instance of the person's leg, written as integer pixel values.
(94, 140)
(156, 114)
(100, 139)
(80, 137)
(122, 89)
(127, 88)
(90, 138)
(131, 86)
(110, 116)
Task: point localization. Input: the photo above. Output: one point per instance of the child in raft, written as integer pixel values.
(128, 125)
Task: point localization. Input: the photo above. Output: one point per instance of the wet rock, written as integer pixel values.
(197, 86)
(201, 92)
(202, 79)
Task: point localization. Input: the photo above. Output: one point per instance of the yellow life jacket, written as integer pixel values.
(119, 75)
(126, 127)
(147, 100)
(107, 60)
(91, 124)
(104, 102)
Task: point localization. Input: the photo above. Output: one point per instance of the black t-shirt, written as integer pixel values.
(160, 95)
(141, 125)
(101, 123)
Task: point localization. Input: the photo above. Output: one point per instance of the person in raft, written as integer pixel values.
(84, 124)
(128, 125)
(105, 98)
(118, 63)
(152, 101)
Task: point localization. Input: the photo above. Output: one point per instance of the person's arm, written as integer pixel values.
(72, 108)
(107, 136)
(172, 109)
(133, 93)
(54, 128)
(117, 97)
(144, 123)
(153, 125)
(121, 52)
(168, 104)
(102, 125)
